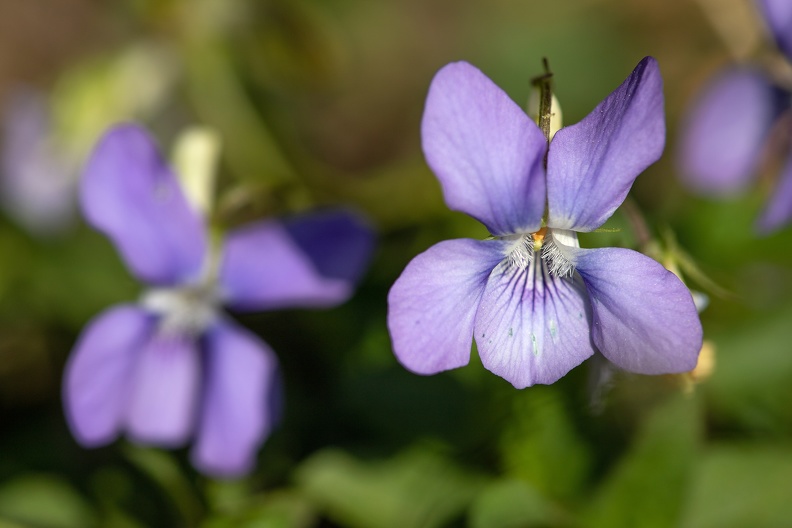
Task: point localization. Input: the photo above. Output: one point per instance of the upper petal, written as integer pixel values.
(432, 305)
(238, 409)
(778, 211)
(99, 372)
(486, 152)
(778, 14)
(592, 164)
(129, 193)
(644, 317)
(164, 391)
(309, 260)
(724, 132)
(532, 327)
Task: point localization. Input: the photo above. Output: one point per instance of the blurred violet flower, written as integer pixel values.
(726, 133)
(38, 180)
(173, 366)
(536, 303)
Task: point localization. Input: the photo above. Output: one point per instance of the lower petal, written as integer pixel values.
(98, 374)
(778, 211)
(165, 391)
(532, 327)
(238, 405)
(644, 318)
(432, 305)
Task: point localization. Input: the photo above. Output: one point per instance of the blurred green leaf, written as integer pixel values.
(163, 469)
(738, 486)
(750, 385)
(648, 486)
(417, 488)
(540, 443)
(279, 509)
(44, 501)
(514, 504)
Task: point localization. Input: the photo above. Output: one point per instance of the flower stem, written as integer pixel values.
(545, 84)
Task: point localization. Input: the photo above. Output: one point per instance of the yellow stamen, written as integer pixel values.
(538, 238)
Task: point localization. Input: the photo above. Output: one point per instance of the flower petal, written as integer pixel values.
(486, 152)
(237, 412)
(130, 194)
(644, 318)
(778, 14)
(778, 211)
(532, 327)
(592, 164)
(38, 181)
(98, 374)
(164, 392)
(722, 139)
(432, 305)
(310, 260)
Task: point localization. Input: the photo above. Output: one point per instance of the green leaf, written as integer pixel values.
(738, 486)
(514, 504)
(541, 445)
(750, 384)
(44, 501)
(415, 489)
(649, 484)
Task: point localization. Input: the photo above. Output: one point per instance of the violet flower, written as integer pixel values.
(37, 178)
(173, 366)
(536, 303)
(725, 135)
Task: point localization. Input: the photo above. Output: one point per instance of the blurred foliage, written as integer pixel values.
(319, 103)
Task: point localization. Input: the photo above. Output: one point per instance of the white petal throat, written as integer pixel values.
(548, 245)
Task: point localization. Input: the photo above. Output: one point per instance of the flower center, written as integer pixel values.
(544, 244)
(184, 311)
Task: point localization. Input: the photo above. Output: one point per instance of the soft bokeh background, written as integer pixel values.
(318, 103)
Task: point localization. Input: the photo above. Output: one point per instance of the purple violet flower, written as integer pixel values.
(173, 366)
(37, 178)
(725, 135)
(536, 303)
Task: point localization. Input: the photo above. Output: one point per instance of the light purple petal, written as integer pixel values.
(778, 211)
(164, 392)
(644, 319)
(39, 183)
(486, 152)
(724, 132)
(432, 305)
(532, 327)
(130, 194)
(592, 164)
(778, 14)
(99, 373)
(310, 260)
(237, 412)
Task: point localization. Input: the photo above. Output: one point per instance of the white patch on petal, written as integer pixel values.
(185, 311)
(548, 243)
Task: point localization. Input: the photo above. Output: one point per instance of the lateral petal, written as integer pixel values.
(164, 393)
(724, 133)
(239, 401)
(592, 164)
(778, 14)
(432, 305)
(129, 193)
(311, 260)
(98, 374)
(486, 152)
(532, 327)
(778, 211)
(644, 318)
